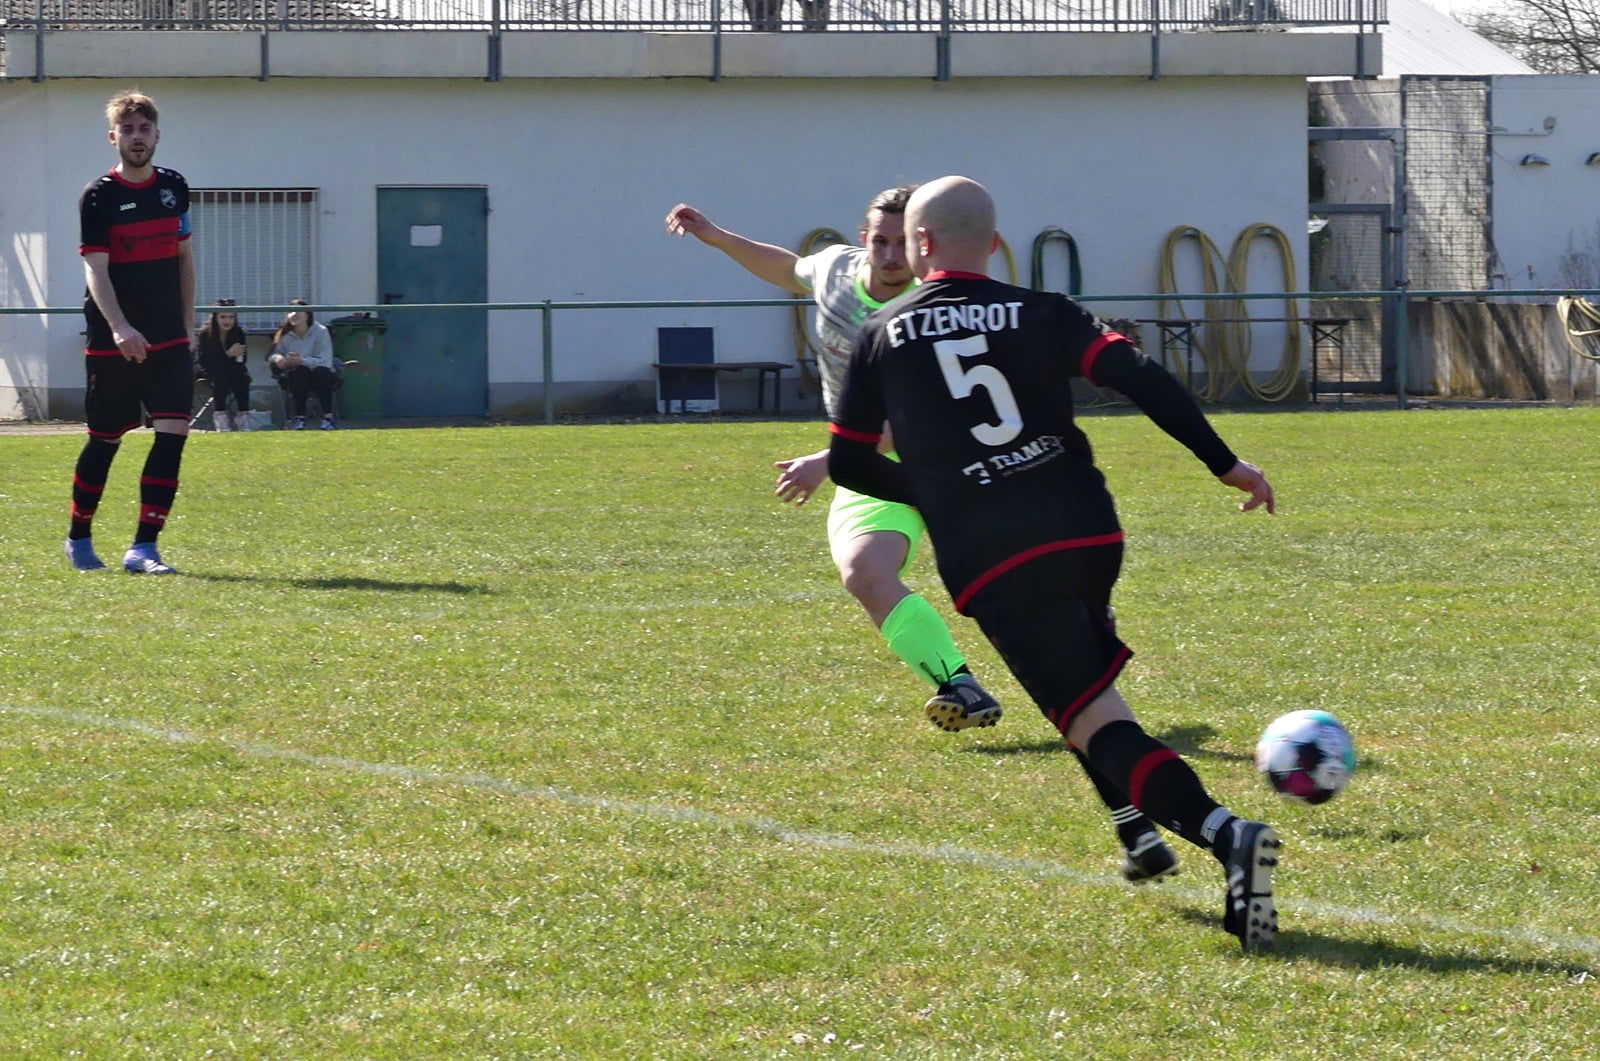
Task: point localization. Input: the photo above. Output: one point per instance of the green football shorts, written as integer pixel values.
(853, 515)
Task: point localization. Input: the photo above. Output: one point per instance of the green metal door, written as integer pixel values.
(433, 248)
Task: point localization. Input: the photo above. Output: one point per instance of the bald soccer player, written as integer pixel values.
(974, 378)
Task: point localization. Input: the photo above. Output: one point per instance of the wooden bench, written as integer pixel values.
(668, 374)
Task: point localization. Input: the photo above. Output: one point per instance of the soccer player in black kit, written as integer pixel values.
(973, 376)
(139, 308)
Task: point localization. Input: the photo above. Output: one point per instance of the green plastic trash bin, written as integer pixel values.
(358, 343)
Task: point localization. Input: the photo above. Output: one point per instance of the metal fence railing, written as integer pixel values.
(1325, 360)
(695, 15)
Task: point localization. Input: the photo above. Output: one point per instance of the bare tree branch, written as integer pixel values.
(1552, 36)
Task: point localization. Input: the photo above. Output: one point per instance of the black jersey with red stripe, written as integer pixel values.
(140, 227)
(974, 378)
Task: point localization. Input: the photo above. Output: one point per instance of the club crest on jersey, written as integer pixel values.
(169, 199)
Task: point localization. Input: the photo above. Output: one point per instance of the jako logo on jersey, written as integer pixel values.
(128, 206)
(168, 199)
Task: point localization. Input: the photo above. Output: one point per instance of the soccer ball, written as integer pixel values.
(1306, 756)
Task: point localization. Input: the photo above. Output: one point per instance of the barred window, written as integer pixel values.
(256, 246)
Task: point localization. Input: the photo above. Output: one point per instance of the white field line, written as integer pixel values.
(1587, 946)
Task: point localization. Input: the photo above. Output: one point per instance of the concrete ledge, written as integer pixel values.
(1269, 54)
(829, 54)
(201, 53)
(136, 53)
(641, 54)
(1056, 55)
(1261, 54)
(607, 55)
(401, 53)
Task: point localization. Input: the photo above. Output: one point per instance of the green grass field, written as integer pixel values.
(538, 742)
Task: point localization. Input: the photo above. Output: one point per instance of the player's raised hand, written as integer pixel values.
(132, 344)
(1247, 477)
(800, 477)
(685, 220)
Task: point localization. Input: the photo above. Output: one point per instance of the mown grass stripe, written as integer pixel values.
(1587, 946)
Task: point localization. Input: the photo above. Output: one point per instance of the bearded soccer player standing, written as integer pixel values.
(139, 308)
(973, 376)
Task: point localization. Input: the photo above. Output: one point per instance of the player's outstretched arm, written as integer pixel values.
(771, 263)
(1160, 396)
(1247, 477)
(800, 477)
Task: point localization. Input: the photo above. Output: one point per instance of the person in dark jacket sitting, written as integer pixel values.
(222, 361)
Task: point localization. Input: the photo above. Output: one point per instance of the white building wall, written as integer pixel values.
(1546, 218)
(581, 173)
(24, 366)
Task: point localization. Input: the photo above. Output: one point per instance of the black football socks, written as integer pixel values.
(158, 485)
(1130, 822)
(1159, 783)
(88, 483)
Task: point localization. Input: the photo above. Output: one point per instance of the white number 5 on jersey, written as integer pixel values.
(963, 382)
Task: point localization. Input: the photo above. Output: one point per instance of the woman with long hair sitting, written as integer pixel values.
(302, 354)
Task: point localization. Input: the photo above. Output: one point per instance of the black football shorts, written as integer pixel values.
(120, 393)
(1051, 620)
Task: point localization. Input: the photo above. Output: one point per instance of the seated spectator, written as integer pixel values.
(302, 354)
(222, 362)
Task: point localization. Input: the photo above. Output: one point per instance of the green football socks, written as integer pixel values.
(917, 633)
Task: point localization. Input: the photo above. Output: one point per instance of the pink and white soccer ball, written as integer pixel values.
(1307, 756)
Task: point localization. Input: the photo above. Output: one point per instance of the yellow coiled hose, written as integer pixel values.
(1225, 349)
(1581, 319)
(1011, 261)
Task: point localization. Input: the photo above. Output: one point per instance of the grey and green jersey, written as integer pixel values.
(836, 276)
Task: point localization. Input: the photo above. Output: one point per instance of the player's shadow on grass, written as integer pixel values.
(1301, 945)
(1187, 741)
(1190, 742)
(352, 582)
